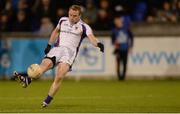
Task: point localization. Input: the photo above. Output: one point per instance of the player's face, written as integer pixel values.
(118, 22)
(74, 16)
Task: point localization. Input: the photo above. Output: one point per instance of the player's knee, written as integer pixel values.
(50, 60)
(47, 62)
(46, 65)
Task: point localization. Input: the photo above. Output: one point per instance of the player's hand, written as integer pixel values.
(116, 51)
(48, 48)
(101, 46)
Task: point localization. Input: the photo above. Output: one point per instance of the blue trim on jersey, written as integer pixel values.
(82, 37)
(56, 44)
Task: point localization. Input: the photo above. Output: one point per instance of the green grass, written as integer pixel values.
(93, 96)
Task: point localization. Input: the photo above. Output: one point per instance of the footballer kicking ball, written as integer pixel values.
(34, 71)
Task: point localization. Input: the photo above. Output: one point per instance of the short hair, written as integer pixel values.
(76, 8)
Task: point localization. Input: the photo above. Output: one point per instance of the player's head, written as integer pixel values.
(74, 13)
(118, 21)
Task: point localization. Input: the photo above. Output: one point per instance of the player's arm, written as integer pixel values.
(52, 39)
(96, 42)
(53, 36)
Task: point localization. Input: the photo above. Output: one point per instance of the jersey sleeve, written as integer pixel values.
(88, 30)
(60, 21)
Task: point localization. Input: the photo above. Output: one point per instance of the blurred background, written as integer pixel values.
(25, 26)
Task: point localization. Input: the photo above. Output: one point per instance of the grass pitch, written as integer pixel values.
(93, 96)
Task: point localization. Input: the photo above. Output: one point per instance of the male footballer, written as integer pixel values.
(67, 37)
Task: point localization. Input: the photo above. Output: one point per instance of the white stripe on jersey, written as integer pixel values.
(70, 35)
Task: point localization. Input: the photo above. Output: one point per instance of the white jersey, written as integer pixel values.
(71, 35)
(69, 40)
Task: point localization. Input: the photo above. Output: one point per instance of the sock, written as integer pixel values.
(48, 99)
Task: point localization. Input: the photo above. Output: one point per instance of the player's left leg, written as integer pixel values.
(63, 68)
(24, 80)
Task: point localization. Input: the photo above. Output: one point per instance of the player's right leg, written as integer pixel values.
(24, 80)
(63, 68)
